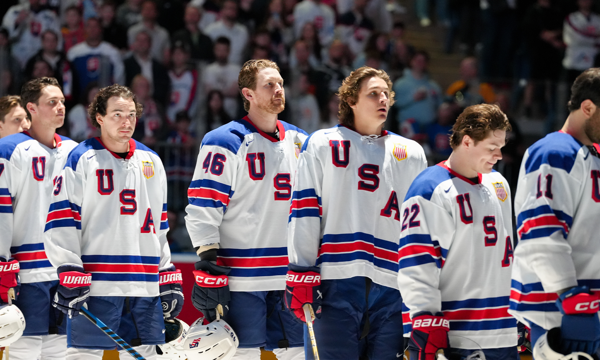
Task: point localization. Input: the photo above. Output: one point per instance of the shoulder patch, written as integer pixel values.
(148, 169)
(501, 192)
(400, 151)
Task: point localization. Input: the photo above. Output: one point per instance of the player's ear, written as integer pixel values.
(31, 107)
(247, 93)
(467, 141)
(99, 119)
(588, 107)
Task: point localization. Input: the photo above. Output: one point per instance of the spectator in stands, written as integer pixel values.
(310, 37)
(129, 13)
(214, 115)
(336, 66)
(305, 109)
(316, 12)
(261, 40)
(378, 43)
(10, 75)
(41, 68)
(209, 10)
(113, 30)
(223, 76)
(354, 28)
(424, 13)
(581, 34)
(278, 25)
(417, 95)
(95, 60)
(400, 50)
(438, 133)
(200, 45)
(184, 83)
(13, 118)
(469, 90)
(25, 24)
(142, 62)
(179, 157)
(161, 42)
(72, 32)
(56, 59)
(300, 65)
(227, 26)
(151, 126)
(80, 124)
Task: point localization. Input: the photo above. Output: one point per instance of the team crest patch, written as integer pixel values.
(399, 152)
(297, 148)
(148, 169)
(500, 191)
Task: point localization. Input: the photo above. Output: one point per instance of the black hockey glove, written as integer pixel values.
(171, 293)
(73, 290)
(211, 288)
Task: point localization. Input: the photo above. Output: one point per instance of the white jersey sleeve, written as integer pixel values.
(10, 174)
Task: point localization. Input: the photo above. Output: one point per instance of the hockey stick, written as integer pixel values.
(309, 316)
(116, 338)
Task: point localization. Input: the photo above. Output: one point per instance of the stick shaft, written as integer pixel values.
(308, 315)
(108, 331)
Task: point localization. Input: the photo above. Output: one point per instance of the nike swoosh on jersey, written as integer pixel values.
(89, 157)
(27, 148)
(448, 189)
(248, 143)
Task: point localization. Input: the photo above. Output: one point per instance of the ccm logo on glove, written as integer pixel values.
(73, 279)
(582, 303)
(431, 321)
(303, 279)
(9, 267)
(207, 280)
(172, 277)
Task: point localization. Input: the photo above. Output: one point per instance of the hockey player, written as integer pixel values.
(13, 118)
(345, 224)
(237, 217)
(557, 204)
(106, 235)
(456, 246)
(29, 164)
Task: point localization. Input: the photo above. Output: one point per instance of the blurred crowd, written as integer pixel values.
(181, 58)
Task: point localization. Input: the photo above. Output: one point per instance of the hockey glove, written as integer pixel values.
(580, 327)
(8, 278)
(73, 289)
(171, 293)
(211, 288)
(524, 340)
(429, 334)
(303, 286)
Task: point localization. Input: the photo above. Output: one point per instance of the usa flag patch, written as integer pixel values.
(148, 169)
(297, 147)
(399, 152)
(500, 191)
(194, 344)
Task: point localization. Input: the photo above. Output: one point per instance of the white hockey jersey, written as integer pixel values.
(456, 253)
(581, 34)
(557, 206)
(345, 211)
(183, 94)
(109, 215)
(240, 198)
(27, 172)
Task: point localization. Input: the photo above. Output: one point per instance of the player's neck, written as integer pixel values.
(459, 163)
(575, 126)
(114, 146)
(366, 128)
(43, 135)
(263, 120)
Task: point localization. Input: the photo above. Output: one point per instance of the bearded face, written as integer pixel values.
(592, 127)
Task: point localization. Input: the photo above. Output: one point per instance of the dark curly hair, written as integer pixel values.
(100, 102)
(348, 92)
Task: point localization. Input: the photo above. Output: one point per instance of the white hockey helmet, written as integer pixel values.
(545, 346)
(212, 341)
(174, 331)
(12, 324)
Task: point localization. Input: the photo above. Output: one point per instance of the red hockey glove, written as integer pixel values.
(303, 286)
(429, 334)
(8, 278)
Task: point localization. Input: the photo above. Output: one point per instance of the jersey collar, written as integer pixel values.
(264, 134)
(442, 164)
(129, 154)
(57, 138)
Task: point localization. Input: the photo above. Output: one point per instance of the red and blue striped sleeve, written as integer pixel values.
(7, 173)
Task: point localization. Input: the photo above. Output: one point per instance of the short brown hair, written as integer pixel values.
(348, 92)
(7, 103)
(100, 102)
(247, 76)
(32, 91)
(476, 121)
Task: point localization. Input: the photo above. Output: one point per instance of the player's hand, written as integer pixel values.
(73, 290)
(171, 293)
(211, 288)
(580, 327)
(303, 286)
(429, 334)
(8, 278)
(524, 340)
